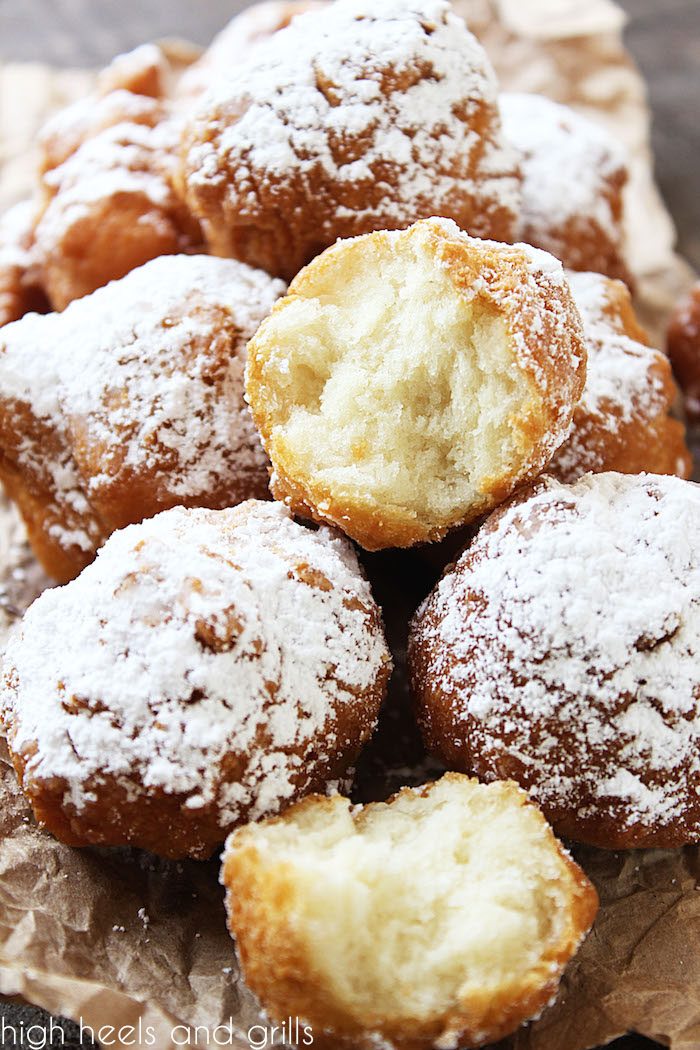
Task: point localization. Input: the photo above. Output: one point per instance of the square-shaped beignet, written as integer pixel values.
(442, 918)
(131, 401)
(410, 380)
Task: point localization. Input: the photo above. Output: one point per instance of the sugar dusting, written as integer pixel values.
(381, 94)
(16, 224)
(122, 160)
(567, 161)
(194, 637)
(570, 637)
(117, 372)
(623, 380)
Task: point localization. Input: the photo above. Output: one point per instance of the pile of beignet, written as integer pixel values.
(204, 456)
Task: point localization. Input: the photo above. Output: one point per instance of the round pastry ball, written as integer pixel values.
(208, 668)
(361, 116)
(131, 401)
(234, 43)
(444, 917)
(574, 173)
(410, 380)
(684, 349)
(111, 207)
(623, 421)
(562, 650)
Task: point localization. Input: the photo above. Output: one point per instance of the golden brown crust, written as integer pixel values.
(490, 692)
(500, 281)
(275, 198)
(63, 136)
(277, 967)
(32, 488)
(107, 182)
(623, 422)
(110, 205)
(583, 244)
(683, 343)
(142, 71)
(90, 466)
(148, 771)
(124, 813)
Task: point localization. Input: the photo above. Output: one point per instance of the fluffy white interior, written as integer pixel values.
(426, 899)
(402, 390)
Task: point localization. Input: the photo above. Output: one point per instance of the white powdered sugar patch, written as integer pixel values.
(125, 159)
(16, 224)
(569, 634)
(378, 93)
(619, 368)
(117, 368)
(623, 380)
(86, 117)
(566, 163)
(196, 637)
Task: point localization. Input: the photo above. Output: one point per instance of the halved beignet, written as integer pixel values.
(411, 380)
(443, 918)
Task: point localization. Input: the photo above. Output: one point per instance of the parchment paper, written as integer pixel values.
(121, 938)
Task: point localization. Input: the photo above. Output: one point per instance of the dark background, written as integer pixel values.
(663, 36)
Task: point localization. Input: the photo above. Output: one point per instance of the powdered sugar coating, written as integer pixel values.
(234, 43)
(232, 658)
(137, 394)
(628, 388)
(85, 118)
(623, 364)
(19, 291)
(562, 650)
(357, 117)
(16, 226)
(111, 204)
(573, 171)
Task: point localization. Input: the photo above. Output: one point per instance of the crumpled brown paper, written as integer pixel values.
(121, 938)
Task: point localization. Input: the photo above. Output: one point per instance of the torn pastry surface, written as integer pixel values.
(411, 380)
(442, 918)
